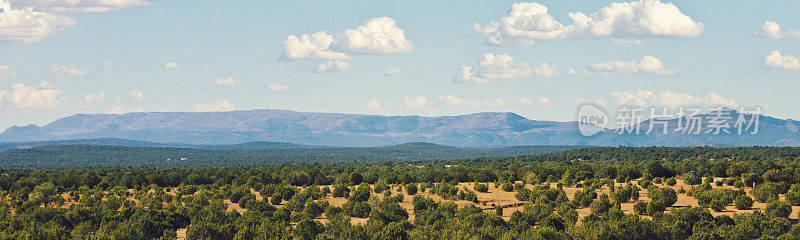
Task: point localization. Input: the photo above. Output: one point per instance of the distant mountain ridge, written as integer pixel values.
(488, 129)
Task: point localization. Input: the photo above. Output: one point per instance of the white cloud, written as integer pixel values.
(95, 6)
(415, 103)
(528, 22)
(500, 67)
(314, 46)
(453, 101)
(373, 105)
(668, 98)
(5, 72)
(333, 66)
(394, 72)
(67, 71)
(108, 64)
(773, 30)
(648, 65)
(44, 96)
(218, 106)
(775, 60)
(278, 87)
(28, 25)
(545, 70)
(530, 102)
(136, 95)
(377, 35)
(226, 81)
(578, 72)
(91, 99)
(171, 65)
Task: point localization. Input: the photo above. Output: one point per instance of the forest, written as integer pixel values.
(583, 193)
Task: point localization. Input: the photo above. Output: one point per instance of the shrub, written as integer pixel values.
(718, 205)
(743, 202)
(671, 181)
(276, 199)
(656, 207)
(600, 205)
(766, 192)
(692, 179)
(778, 209)
(480, 187)
(508, 187)
(411, 188)
(498, 210)
(640, 207)
(341, 191)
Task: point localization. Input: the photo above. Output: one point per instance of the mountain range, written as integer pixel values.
(488, 129)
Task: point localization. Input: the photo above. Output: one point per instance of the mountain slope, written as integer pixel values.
(356, 130)
(474, 130)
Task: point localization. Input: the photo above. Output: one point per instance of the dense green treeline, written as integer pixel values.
(70, 156)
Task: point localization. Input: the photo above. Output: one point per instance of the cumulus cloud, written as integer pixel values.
(373, 105)
(171, 65)
(649, 65)
(95, 6)
(668, 98)
(5, 72)
(500, 67)
(545, 70)
(135, 95)
(415, 103)
(29, 25)
(775, 60)
(377, 36)
(528, 22)
(773, 30)
(41, 97)
(453, 101)
(278, 87)
(531, 102)
(92, 98)
(333, 66)
(67, 71)
(394, 72)
(314, 46)
(226, 81)
(218, 106)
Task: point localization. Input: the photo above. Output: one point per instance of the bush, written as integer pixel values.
(767, 192)
(778, 209)
(671, 181)
(341, 191)
(411, 188)
(743, 202)
(508, 187)
(480, 187)
(600, 205)
(640, 207)
(276, 199)
(656, 207)
(692, 179)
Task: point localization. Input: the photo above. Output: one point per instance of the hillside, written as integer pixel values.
(357, 130)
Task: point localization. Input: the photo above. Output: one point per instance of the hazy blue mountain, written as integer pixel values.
(489, 129)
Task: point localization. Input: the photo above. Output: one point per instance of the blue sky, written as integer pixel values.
(136, 55)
